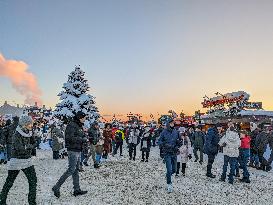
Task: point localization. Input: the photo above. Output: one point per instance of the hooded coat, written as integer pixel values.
(184, 151)
(261, 142)
(211, 142)
(231, 143)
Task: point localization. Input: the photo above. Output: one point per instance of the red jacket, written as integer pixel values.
(245, 142)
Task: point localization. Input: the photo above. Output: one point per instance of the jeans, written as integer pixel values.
(38, 142)
(171, 162)
(132, 150)
(50, 142)
(32, 181)
(254, 159)
(242, 162)
(73, 169)
(98, 158)
(211, 159)
(201, 153)
(232, 163)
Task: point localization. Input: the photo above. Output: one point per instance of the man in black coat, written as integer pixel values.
(198, 140)
(74, 139)
(211, 147)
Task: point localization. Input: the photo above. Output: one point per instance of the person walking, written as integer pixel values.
(230, 143)
(169, 143)
(21, 147)
(211, 147)
(74, 139)
(198, 139)
(133, 141)
(93, 135)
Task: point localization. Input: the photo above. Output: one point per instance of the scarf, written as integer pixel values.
(21, 132)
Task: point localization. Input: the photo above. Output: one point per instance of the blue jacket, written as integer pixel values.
(169, 141)
(211, 142)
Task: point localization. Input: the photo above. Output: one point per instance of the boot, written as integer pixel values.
(86, 164)
(170, 188)
(96, 166)
(79, 193)
(211, 175)
(56, 192)
(245, 180)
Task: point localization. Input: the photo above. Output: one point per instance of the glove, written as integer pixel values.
(190, 156)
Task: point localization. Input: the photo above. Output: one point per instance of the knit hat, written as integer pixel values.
(25, 120)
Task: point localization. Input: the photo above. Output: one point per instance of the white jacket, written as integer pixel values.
(231, 142)
(133, 136)
(184, 151)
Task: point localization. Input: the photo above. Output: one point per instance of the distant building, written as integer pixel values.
(7, 109)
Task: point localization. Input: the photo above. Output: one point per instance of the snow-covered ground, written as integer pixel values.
(120, 181)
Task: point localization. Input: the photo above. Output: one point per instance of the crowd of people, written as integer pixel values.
(21, 137)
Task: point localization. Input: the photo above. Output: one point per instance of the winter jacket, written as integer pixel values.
(169, 141)
(119, 136)
(231, 143)
(99, 146)
(198, 139)
(22, 144)
(146, 142)
(261, 142)
(134, 136)
(56, 135)
(74, 137)
(253, 135)
(93, 135)
(245, 142)
(114, 132)
(184, 151)
(107, 135)
(8, 132)
(211, 142)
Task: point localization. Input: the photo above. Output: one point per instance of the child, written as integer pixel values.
(184, 154)
(146, 144)
(99, 150)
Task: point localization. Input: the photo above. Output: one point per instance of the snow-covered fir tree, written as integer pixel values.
(75, 98)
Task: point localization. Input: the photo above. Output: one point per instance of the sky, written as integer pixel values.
(144, 56)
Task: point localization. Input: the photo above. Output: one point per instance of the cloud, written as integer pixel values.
(22, 79)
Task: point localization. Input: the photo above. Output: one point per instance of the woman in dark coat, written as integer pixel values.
(22, 144)
(107, 135)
